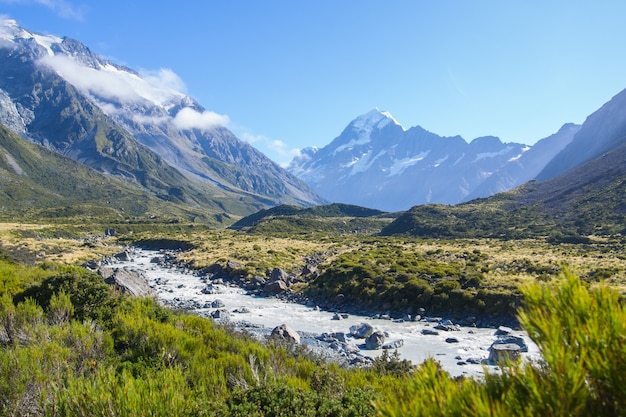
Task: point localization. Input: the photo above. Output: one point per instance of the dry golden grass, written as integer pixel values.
(22, 241)
(505, 264)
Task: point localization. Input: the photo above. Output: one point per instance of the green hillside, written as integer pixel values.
(36, 183)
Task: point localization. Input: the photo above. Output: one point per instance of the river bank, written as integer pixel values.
(460, 348)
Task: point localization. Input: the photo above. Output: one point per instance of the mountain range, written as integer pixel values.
(377, 163)
(57, 93)
(158, 151)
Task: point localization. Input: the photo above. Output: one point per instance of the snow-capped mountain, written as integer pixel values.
(56, 92)
(377, 163)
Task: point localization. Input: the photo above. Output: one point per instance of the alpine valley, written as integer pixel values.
(470, 249)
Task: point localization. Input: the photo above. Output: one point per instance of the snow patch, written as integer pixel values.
(440, 161)
(516, 157)
(365, 162)
(363, 139)
(484, 155)
(400, 165)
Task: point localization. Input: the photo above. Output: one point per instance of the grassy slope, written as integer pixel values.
(38, 183)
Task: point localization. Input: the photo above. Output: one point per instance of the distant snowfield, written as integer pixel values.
(173, 285)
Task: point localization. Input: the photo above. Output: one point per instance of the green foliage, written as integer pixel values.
(67, 347)
(91, 297)
(387, 274)
(580, 333)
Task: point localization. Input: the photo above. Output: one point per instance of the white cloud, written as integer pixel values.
(189, 118)
(62, 8)
(275, 149)
(164, 79)
(160, 87)
(99, 83)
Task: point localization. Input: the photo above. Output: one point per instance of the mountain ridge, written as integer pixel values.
(56, 92)
(375, 162)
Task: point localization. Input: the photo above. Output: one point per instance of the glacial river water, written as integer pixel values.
(175, 286)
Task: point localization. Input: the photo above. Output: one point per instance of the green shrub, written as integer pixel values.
(91, 297)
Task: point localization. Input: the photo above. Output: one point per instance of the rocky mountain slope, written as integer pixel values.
(377, 163)
(602, 131)
(56, 92)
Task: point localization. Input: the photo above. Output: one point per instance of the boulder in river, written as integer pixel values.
(396, 344)
(503, 330)
(287, 333)
(509, 338)
(220, 314)
(362, 330)
(375, 340)
(504, 353)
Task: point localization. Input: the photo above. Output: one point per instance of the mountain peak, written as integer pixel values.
(375, 118)
(11, 32)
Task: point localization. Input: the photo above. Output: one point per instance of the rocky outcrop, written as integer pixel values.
(127, 281)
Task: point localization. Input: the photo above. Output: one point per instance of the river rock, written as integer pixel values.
(209, 289)
(124, 256)
(503, 330)
(220, 314)
(362, 330)
(509, 338)
(278, 274)
(217, 304)
(452, 340)
(351, 349)
(503, 353)
(430, 332)
(255, 282)
(232, 266)
(337, 316)
(396, 344)
(92, 264)
(127, 281)
(448, 326)
(309, 269)
(375, 340)
(275, 287)
(287, 333)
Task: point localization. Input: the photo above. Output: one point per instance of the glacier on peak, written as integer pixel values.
(361, 128)
(10, 31)
(374, 119)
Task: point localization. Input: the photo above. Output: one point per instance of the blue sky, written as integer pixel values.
(292, 74)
